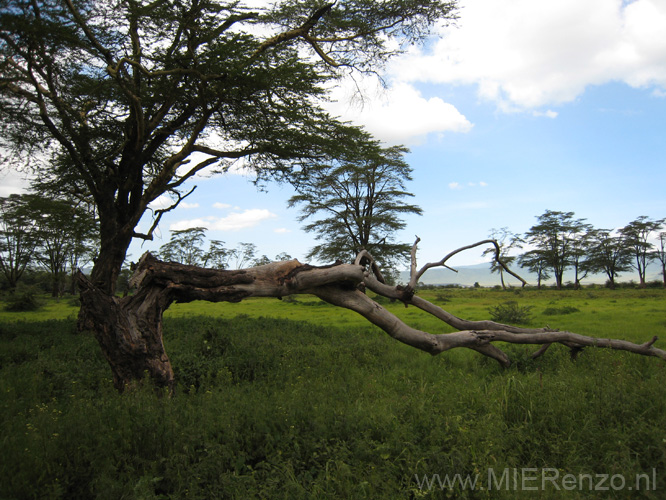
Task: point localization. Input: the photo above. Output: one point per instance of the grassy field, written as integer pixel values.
(297, 399)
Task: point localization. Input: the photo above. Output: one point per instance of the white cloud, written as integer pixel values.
(454, 185)
(222, 206)
(161, 202)
(233, 222)
(188, 205)
(526, 54)
(547, 114)
(399, 114)
(282, 230)
(13, 182)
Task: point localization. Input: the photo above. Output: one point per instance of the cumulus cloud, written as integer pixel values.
(524, 54)
(233, 222)
(399, 114)
(454, 185)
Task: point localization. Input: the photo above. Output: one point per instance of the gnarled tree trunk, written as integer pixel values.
(129, 329)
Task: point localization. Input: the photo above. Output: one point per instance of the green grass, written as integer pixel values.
(306, 401)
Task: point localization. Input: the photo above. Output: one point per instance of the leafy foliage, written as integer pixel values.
(357, 203)
(510, 312)
(129, 100)
(264, 410)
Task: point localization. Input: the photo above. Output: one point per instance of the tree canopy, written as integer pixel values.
(357, 203)
(122, 102)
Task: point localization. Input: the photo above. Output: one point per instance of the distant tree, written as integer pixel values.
(637, 238)
(581, 241)
(17, 237)
(218, 255)
(358, 203)
(62, 228)
(243, 255)
(609, 254)
(660, 254)
(261, 261)
(185, 246)
(507, 242)
(554, 236)
(535, 262)
(264, 259)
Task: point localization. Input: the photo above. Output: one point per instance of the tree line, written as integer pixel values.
(49, 234)
(560, 242)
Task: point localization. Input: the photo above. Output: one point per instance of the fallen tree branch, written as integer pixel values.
(341, 285)
(129, 329)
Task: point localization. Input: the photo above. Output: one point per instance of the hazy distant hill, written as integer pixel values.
(480, 273)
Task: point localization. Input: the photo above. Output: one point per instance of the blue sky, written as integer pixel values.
(523, 106)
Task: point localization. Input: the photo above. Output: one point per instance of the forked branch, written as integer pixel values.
(342, 285)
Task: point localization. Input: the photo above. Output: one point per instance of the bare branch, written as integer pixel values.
(339, 285)
(158, 215)
(365, 255)
(442, 263)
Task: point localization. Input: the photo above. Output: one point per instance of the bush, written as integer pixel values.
(555, 311)
(22, 301)
(510, 312)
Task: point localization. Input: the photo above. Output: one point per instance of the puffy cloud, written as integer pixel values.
(399, 114)
(233, 222)
(526, 54)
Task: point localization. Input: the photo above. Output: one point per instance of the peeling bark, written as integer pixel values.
(129, 329)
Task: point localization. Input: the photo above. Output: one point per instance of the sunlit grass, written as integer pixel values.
(298, 400)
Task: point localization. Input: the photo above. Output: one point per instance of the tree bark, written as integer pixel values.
(129, 329)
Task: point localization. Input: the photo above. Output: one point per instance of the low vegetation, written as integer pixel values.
(312, 403)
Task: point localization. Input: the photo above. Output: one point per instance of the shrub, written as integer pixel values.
(22, 301)
(510, 312)
(554, 311)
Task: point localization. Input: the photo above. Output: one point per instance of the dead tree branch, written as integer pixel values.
(340, 285)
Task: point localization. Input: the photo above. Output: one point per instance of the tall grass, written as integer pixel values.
(276, 408)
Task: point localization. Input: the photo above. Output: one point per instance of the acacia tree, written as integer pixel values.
(609, 254)
(535, 262)
(357, 203)
(126, 101)
(554, 236)
(184, 246)
(637, 238)
(579, 260)
(660, 254)
(17, 237)
(507, 241)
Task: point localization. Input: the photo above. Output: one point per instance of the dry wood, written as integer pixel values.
(136, 346)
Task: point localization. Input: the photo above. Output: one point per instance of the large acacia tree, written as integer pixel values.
(122, 102)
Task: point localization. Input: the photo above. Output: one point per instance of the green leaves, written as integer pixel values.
(357, 201)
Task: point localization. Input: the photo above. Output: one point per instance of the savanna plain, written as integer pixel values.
(297, 399)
